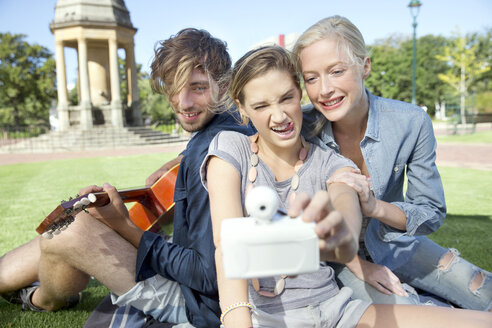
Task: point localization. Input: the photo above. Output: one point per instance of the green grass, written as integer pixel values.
(481, 137)
(468, 225)
(28, 192)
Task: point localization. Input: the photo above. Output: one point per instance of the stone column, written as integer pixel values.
(132, 81)
(85, 96)
(116, 107)
(61, 81)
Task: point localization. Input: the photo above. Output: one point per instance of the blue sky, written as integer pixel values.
(243, 24)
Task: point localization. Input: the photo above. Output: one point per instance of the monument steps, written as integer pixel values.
(99, 137)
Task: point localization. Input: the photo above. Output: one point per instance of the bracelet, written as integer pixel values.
(233, 307)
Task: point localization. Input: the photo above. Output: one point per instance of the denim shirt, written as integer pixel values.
(399, 139)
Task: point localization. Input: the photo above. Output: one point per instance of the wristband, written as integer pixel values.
(233, 307)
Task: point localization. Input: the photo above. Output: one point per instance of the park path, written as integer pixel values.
(15, 158)
(476, 156)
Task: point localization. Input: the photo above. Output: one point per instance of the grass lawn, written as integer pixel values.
(468, 224)
(28, 192)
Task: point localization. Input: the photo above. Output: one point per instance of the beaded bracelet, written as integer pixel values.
(233, 307)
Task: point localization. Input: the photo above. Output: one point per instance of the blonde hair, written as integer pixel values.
(256, 63)
(350, 39)
(350, 42)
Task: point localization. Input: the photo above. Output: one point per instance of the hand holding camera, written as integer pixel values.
(268, 242)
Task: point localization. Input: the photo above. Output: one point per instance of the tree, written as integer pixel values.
(483, 53)
(482, 87)
(27, 81)
(430, 89)
(391, 69)
(387, 68)
(154, 106)
(464, 67)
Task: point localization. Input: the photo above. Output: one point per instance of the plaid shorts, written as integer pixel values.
(158, 297)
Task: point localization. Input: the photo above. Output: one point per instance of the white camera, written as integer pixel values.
(268, 243)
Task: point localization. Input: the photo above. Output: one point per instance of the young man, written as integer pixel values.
(186, 68)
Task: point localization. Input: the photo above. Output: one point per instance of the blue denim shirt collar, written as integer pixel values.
(372, 130)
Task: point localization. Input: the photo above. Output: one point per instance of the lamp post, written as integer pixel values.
(414, 6)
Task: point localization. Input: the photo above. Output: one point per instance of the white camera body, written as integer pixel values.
(268, 243)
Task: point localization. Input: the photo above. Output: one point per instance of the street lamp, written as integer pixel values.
(414, 6)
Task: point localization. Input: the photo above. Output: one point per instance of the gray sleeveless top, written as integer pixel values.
(305, 289)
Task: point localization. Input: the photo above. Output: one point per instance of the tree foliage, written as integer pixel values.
(484, 55)
(391, 74)
(464, 68)
(27, 81)
(155, 107)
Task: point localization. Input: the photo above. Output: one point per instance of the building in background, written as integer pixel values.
(96, 29)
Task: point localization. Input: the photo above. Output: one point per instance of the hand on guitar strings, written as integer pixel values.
(114, 214)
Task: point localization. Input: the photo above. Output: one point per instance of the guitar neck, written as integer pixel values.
(128, 196)
(67, 210)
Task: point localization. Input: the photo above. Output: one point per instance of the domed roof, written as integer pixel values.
(91, 12)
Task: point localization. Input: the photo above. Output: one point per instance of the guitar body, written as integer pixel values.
(159, 205)
(151, 205)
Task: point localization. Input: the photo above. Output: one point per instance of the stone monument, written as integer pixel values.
(96, 29)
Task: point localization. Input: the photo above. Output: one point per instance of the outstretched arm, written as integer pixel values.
(344, 200)
(338, 216)
(224, 188)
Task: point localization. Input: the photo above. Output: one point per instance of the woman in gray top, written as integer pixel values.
(266, 89)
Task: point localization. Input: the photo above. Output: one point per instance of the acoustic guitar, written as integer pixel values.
(152, 205)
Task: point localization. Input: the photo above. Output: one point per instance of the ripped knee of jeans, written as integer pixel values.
(451, 257)
(477, 281)
(448, 259)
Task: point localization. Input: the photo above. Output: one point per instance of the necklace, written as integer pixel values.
(279, 287)
(294, 184)
(254, 160)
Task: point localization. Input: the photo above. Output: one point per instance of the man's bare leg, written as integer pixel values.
(19, 267)
(86, 248)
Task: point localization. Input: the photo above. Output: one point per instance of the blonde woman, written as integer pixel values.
(389, 141)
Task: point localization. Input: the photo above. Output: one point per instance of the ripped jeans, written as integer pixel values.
(433, 269)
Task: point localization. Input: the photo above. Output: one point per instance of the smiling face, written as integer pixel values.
(333, 84)
(272, 103)
(193, 103)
